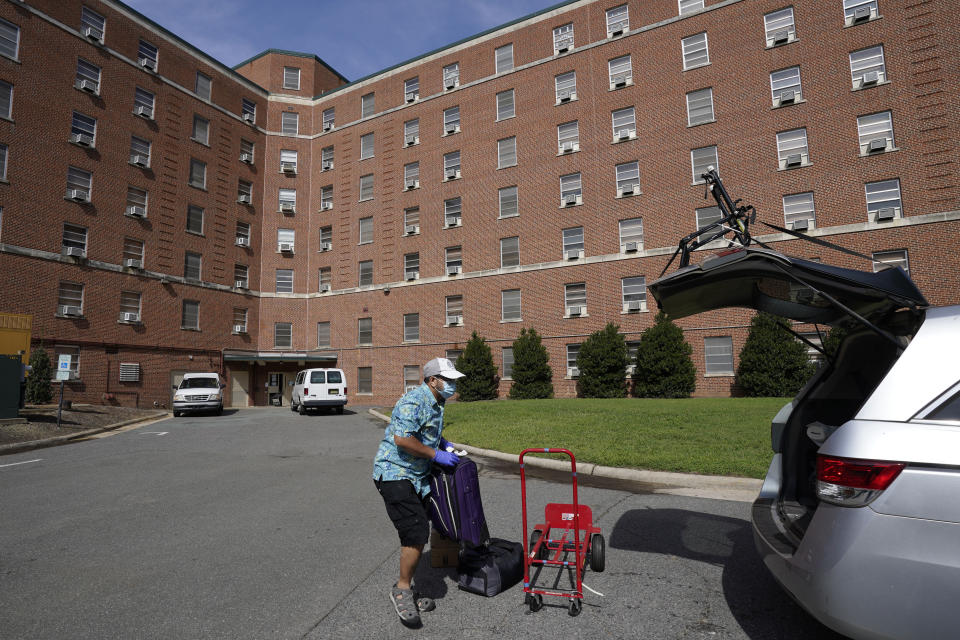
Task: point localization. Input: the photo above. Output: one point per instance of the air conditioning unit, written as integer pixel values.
(93, 33)
(631, 247)
(870, 78)
(449, 84)
(325, 246)
(575, 311)
(240, 284)
(569, 200)
(69, 310)
(148, 63)
(74, 252)
(801, 225)
(624, 134)
(452, 271)
(239, 328)
(411, 183)
(326, 206)
(451, 128)
(140, 161)
(454, 222)
(782, 36)
(409, 140)
(567, 147)
(886, 213)
(860, 14)
(136, 211)
(564, 45)
(451, 174)
(631, 190)
(411, 97)
(566, 96)
(249, 118)
(243, 198)
(324, 288)
(453, 320)
(787, 97)
(82, 139)
(573, 372)
(412, 275)
(242, 241)
(287, 207)
(412, 229)
(634, 305)
(794, 160)
(288, 167)
(327, 126)
(286, 247)
(143, 111)
(87, 85)
(78, 195)
(246, 157)
(133, 263)
(326, 165)
(573, 254)
(129, 316)
(877, 144)
(617, 29)
(618, 81)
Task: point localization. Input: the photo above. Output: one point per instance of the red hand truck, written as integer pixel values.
(566, 528)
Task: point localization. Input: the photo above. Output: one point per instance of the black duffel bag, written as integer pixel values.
(491, 568)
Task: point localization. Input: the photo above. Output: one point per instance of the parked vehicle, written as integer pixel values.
(858, 517)
(198, 392)
(318, 388)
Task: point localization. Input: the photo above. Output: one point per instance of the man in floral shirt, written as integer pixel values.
(401, 472)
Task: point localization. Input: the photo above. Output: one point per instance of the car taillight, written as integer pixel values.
(344, 391)
(306, 391)
(849, 482)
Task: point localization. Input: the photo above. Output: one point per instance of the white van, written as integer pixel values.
(316, 388)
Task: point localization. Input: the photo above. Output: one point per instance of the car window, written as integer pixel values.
(334, 377)
(949, 410)
(199, 383)
(317, 377)
(300, 378)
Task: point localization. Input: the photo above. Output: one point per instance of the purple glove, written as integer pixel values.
(445, 458)
(444, 444)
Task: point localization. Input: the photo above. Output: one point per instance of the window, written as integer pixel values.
(509, 202)
(451, 120)
(241, 276)
(284, 281)
(244, 191)
(83, 130)
(136, 202)
(326, 238)
(881, 259)
(453, 259)
(79, 182)
(452, 212)
(132, 250)
(573, 350)
(366, 230)
(282, 335)
(411, 266)
(191, 265)
(287, 200)
(618, 21)
(411, 89)
(624, 124)
(289, 123)
(246, 151)
(792, 148)
(700, 107)
(631, 235)
(286, 240)
(129, 306)
(198, 173)
(365, 380)
(366, 187)
(718, 354)
(566, 86)
(240, 320)
(779, 27)
(620, 72)
(4, 151)
(367, 105)
(451, 76)
(798, 211)
(6, 100)
(504, 58)
(411, 327)
(195, 219)
(628, 179)
(70, 299)
(695, 51)
(411, 220)
(785, 86)
(883, 200)
(201, 130)
(453, 354)
(632, 347)
(563, 38)
(411, 175)
(510, 251)
(634, 291)
(139, 152)
(74, 237)
(88, 74)
(9, 39)
(702, 160)
(451, 165)
(573, 243)
(74, 353)
(366, 146)
(411, 132)
(243, 234)
(326, 197)
(203, 86)
(325, 279)
(365, 331)
(568, 137)
(570, 190)
(707, 216)
(365, 271)
(329, 119)
(454, 309)
(411, 377)
(510, 305)
(690, 6)
(505, 107)
(143, 103)
(326, 159)
(506, 152)
(249, 110)
(507, 363)
(857, 11)
(291, 78)
(867, 67)
(323, 334)
(875, 132)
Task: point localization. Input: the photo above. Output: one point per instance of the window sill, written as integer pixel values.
(511, 321)
(10, 59)
(79, 317)
(870, 86)
(364, 344)
(194, 233)
(452, 133)
(197, 186)
(512, 215)
(144, 167)
(507, 118)
(364, 393)
(570, 206)
(879, 153)
(634, 313)
(363, 243)
(199, 141)
(568, 153)
(448, 324)
(789, 104)
(95, 94)
(453, 179)
(699, 66)
(197, 329)
(411, 342)
(857, 24)
(366, 158)
(628, 195)
(790, 40)
(628, 84)
(795, 167)
(507, 166)
(563, 102)
(700, 124)
(718, 375)
(92, 147)
(365, 200)
(622, 140)
(582, 315)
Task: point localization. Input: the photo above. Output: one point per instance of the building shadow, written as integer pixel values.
(758, 603)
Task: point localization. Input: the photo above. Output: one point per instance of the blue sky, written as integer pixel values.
(355, 38)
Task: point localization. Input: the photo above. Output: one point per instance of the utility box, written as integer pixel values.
(10, 367)
(15, 331)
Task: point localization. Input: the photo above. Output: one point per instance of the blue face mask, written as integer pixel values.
(449, 388)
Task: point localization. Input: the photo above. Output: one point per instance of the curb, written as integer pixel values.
(682, 484)
(17, 447)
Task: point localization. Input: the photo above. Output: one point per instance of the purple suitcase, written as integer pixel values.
(455, 506)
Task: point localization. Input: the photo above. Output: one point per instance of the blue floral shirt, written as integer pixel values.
(416, 414)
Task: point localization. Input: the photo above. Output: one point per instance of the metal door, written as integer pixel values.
(239, 388)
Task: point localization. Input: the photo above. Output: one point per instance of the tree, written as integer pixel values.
(772, 362)
(480, 375)
(833, 339)
(602, 362)
(532, 376)
(663, 368)
(38, 382)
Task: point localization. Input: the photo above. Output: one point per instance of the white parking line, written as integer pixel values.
(13, 464)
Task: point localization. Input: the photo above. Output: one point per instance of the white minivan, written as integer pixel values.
(317, 388)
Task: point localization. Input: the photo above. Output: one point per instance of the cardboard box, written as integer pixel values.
(444, 552)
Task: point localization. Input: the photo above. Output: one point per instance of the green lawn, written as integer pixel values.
(721, 436)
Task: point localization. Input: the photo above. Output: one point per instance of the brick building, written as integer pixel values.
(162, 213)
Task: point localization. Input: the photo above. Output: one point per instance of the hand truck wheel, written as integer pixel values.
(597, 553)
(534, 601)
(576, 606)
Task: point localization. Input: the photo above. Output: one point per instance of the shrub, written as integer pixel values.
(663, 368)
(532, 376)
(38, 382)
(773, 363)
(480, 375)
(602, 362)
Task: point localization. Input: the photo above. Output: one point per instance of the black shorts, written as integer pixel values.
(407, 510)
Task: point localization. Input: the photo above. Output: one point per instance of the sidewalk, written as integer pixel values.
(37, 427)
(678, 484)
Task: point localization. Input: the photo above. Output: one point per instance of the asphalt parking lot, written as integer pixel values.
(264, 524)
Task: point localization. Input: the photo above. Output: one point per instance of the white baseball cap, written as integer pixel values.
(441, 367)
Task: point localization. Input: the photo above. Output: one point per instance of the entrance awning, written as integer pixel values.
(280, 356)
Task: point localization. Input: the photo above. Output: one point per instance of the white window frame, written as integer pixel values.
(291, 81)
(366, 146)
(503, 58)
(572, 240)
(874, 127)
(628, 178)
(289, 123)
(572, 351)
(799, 207)
(453, 307)
(574, 295)
(633, 289)
(695, 50)
(365, 230)
(893, 257)
(451, 120)
(706, 216)
(70, 294)
(451, 165)
(203, 87)
(791, 144)
(620, 72)
(697, 164)
(631, 231)
(411, 327)
(618, 21)
(452, 212)
(283, 281)
(686, 7)
(864, 63)
(506, 109)
(411, 89)
(784, 81)
(879, 195)
(198, 173)
(368, 104)
(366, 187)
(411, 132)
(568, 137)
(511, 310)
(10, 37)
(411, 265)
(700, 102)
(718, 356)
(6, 100)
(451, 76)
(201, 130)
(87, 72)
(507, 152)
(851, 9)
(563, 40)
(192, 265)
(510, 252)
(365, 331)
(509, 201)
(571, 185)
(776, 23)
(365, 273)
(624, 124)
(565, 86)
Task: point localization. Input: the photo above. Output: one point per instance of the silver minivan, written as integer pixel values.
(318, 388)
(859, 515)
